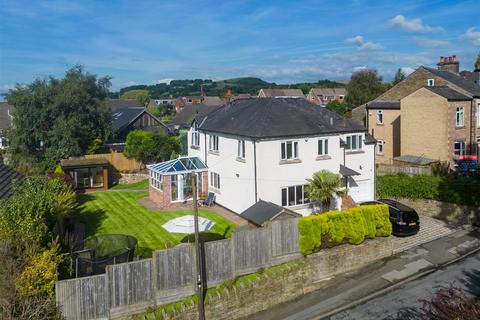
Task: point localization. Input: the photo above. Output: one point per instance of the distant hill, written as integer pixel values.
(250, 85)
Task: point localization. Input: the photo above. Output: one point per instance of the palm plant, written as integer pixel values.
(323, 186)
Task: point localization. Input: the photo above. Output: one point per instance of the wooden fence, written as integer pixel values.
(118, 160)
(387, 169)
(169, 275)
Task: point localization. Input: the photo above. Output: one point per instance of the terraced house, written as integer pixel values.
(433, 115)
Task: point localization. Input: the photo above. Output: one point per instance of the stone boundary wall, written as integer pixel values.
(448, 212)
(132, 177)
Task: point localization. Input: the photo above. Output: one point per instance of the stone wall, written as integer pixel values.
(297, 278)
(448, 212)
(132, 177)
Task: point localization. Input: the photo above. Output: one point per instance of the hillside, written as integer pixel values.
(249, 85)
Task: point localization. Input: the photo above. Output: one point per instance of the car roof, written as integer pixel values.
(396, 205)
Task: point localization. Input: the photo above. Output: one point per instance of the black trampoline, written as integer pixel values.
(96, 253)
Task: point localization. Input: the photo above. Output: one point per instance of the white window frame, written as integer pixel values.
(156, 180)
(297, 202)
(215, 180)
(379, 116)
(459, 151)
(380, 147)
(322, 147)
(195, 135)
(431, 82)
(284, 150)
(241, 149)
(213, 143)
(353, 142)
(460, 117)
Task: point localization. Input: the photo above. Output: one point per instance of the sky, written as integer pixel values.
(147, 42)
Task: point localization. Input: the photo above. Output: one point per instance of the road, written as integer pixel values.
(465, 274)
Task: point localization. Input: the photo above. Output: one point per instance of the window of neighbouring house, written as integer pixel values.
(294, 195)
(459, 148)
(241, 149)
(460, 117)
(215, 180)
(213, 143)
(289, 150)
(379, 116)
(156, 180)
(380, 144)
(354, 142)
(322, 147)
(195, 135)
(431, 82)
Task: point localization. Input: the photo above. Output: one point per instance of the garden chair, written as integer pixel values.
(210, 199)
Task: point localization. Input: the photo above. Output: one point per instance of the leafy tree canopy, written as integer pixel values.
(338, 107)
(57, 118)
(142, 96)
(399, 76)
(149, 147)
(364, 86)
(477, 63)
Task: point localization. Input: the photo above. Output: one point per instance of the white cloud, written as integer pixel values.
(472, 36)
(167, 81)
(414, 25)
(407, 70)
(360, 42)
(432, 43)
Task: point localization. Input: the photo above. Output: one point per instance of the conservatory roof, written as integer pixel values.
(180, 165)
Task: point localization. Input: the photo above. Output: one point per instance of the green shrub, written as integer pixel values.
(348, 226)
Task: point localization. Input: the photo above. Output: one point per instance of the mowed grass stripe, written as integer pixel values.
(121, 213)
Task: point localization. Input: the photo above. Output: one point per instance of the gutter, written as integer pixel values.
(255, 169)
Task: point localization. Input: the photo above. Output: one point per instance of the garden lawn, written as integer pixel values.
(121, 213)
(132, 186)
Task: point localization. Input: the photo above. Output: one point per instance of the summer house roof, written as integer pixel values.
(180, 165)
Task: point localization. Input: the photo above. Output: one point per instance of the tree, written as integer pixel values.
(323, 186)
(399, 76)
(338, 107)
(57, 118)
(142, 96)
(149, 147)
(364, 86)
(477, 63)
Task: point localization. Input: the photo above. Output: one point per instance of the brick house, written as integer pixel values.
(323, 96)
(430, 104)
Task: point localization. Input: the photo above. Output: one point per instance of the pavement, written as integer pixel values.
(435, 246)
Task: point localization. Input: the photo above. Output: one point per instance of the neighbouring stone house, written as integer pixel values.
(181, 102)
(323, 96)
(433, 114)
(280, 93)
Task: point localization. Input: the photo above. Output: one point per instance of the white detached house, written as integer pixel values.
(266, 149)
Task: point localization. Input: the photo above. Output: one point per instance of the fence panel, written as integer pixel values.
(251, 249)
(284, 237)
(130, 283)
(83, 298)
(218, 261)
(175, 267)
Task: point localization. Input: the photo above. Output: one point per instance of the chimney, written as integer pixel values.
(449, 64)
(228, 97)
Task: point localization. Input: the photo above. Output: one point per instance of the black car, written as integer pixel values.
(405, 221)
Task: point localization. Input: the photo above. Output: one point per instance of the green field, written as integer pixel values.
(121, 213)
(131, 186)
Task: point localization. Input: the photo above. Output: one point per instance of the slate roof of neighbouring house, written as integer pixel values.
(469, 86)
(115, 104)
(191, 111)
(369, 139)
(5, 115)
(449, 93)
(384, 104)
(122, 117)
(7, 176)
(329, 91)
(267, 118)
(283, 92)
(264, 211)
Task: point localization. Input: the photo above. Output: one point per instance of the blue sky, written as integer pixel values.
(283, 41)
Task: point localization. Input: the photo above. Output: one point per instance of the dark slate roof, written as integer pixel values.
(7, 176)
(115, 104)
(263, 211)
(449, 93)
(191, 111)
(414, 159)
(469, 86)
(124, 116)
(267, 118)
(369, 139)
(5, 115)
(384, 104)
(347, 172)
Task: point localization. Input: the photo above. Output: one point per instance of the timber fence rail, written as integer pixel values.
(129, 288)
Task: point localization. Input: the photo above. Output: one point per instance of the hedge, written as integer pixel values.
(462, 190)
(337, 227)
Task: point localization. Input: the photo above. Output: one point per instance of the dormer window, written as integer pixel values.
(431, 82)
